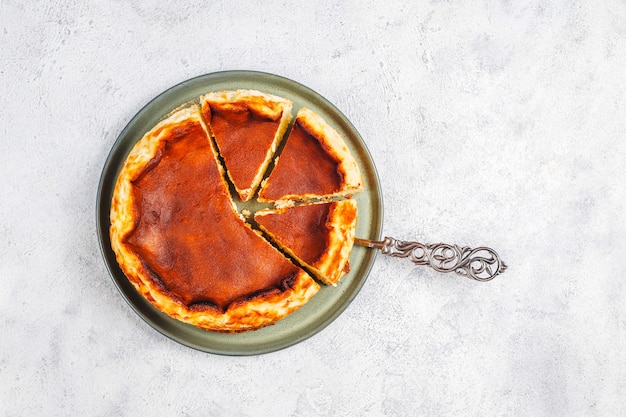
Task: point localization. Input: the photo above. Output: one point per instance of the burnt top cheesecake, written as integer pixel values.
(319, 236)
(176, 231)
(180, 241)
(247, 126)
(315, 163)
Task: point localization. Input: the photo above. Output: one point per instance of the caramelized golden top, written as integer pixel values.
(187, 233)
(303, 229)
(304, 167)
(243, 138)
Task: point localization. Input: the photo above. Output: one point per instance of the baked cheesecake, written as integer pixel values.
(180, 241)
(176, 232)
(315, 163)
(319, 236)
(248, 126)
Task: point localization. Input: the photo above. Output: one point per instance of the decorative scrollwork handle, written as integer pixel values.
(480, 264)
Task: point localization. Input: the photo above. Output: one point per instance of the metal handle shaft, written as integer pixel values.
(481, 264)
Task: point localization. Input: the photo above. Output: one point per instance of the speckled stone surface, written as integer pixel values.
(491, 122)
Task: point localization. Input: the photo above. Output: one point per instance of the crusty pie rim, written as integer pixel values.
(251, 314)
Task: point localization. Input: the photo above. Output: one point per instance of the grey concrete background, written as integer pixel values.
(491, 122)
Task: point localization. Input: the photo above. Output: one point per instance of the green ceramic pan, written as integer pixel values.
(330, 302)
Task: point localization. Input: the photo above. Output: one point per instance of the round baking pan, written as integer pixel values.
(330, 302)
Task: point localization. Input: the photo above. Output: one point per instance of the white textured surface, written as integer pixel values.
(491, 122)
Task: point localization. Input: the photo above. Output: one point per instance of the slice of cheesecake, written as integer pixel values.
(314, 164)
(247, 126)
(318, 236)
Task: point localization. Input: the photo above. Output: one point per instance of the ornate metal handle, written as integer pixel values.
(480, 264)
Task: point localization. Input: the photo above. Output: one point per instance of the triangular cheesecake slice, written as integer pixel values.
(247, 126)
(315, 163)
(318, 236)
